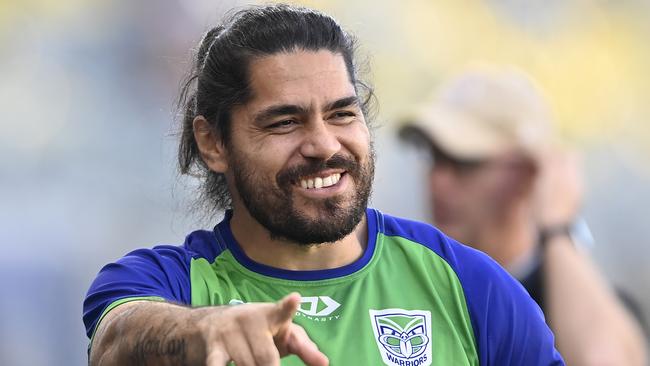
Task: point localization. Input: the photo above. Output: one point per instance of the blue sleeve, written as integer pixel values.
(508, 325)
(163, 271)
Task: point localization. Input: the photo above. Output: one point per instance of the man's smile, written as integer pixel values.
(321, 181)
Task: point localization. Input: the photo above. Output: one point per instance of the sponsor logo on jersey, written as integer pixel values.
(403, 336)
(318, 308)
(314, 305)
(315, 308)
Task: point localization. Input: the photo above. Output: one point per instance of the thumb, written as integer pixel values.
(285, 310)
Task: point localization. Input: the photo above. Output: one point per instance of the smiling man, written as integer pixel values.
(275, 125)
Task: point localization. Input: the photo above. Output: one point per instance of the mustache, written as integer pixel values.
(291, 175)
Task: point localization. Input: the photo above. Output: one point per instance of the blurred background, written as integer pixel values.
(87, 144)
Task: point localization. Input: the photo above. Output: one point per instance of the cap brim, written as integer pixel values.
(454, 133)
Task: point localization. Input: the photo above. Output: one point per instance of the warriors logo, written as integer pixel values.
(403, 336)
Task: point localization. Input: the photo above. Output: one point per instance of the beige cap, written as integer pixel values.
(484, 112)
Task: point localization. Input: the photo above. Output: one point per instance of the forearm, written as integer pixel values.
(152, 333)
(591, 325)
(148, 333)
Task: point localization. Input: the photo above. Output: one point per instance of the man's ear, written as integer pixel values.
(211, 147)
(525, 176)
(517, 179)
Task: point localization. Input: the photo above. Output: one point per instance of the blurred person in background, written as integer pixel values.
(499, 183)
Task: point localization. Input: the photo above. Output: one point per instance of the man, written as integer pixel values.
(275, 125)
(497, 184)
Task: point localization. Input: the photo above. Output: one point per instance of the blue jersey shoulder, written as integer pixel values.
(204, 244)
(508, 325)
(162, 271)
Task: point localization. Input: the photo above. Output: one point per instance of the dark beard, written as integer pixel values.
(274, 208)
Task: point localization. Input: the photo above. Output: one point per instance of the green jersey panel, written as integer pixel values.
(336, 313)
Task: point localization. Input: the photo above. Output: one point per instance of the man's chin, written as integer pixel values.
(444, 218)
(321, 208)
(314, 226)
(311, 233)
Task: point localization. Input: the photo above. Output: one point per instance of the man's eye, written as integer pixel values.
(343, 115)
(283, 123)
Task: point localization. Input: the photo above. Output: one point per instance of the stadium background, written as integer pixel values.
(87, 147)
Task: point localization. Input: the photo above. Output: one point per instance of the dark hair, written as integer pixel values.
(219, 77)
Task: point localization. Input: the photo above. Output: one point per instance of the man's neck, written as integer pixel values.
(511, 240)
(256, 242)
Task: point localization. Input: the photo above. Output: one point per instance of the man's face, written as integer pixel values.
(300, 157)
(468, 195)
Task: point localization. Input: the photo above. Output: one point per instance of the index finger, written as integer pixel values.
(284, 311)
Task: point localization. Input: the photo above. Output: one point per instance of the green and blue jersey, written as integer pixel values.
(415, 297)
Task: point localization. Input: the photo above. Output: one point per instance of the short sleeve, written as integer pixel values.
(509, 326)
(162, 272)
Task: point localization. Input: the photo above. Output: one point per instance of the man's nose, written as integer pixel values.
(320, 141)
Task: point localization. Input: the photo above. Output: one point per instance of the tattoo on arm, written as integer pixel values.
(145, 335)
(154, 348)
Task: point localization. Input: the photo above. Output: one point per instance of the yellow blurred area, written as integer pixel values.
(12, 10)
(589, 57)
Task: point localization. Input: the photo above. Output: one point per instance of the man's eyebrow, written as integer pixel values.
(279, 110)
(292, 109)
(342, 103)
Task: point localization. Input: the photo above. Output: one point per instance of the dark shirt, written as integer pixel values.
(534, 283)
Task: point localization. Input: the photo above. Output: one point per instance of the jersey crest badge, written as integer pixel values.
(403, 336)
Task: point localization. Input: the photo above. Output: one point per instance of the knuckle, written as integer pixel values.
(266, 355)
(245, 318)
(298, 330)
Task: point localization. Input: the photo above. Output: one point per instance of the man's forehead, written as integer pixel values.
(297, 62)
(297, 76)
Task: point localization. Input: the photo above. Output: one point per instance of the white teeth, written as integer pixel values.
(319, 182)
